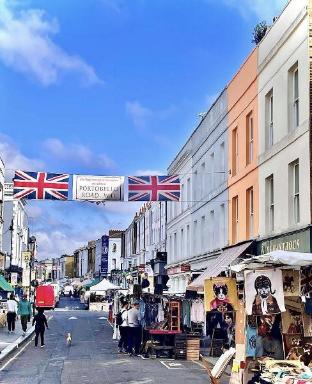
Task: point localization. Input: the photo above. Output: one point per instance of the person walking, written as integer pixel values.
(134, 330)
(40, 322)
(123, 328)
(11, 314)
(24, 310)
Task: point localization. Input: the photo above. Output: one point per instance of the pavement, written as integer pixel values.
(9, 342)
(92, 357)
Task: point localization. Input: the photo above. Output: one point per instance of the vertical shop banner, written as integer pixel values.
(264, 292)
(13, 278)
(98, 188)
(104, 256)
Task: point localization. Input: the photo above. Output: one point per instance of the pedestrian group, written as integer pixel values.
(128, 321)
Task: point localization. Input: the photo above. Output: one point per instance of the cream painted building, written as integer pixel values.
(284, 154)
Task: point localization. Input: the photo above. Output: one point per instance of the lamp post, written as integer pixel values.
(32, 247)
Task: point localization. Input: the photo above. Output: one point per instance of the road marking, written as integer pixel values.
(172, 365)
(73, 318)
(102, 318)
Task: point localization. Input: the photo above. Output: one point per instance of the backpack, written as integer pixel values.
(119, 319)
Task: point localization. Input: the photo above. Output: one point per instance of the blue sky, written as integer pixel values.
(101, 86)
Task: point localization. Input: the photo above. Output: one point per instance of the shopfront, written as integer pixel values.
(296, 241)
(179, 278)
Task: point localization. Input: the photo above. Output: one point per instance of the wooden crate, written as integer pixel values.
(193, 348)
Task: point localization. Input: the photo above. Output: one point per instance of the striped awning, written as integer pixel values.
(216, 266)
(4, 285)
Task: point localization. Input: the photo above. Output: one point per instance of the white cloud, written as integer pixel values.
(149, 172)
(78, 153)
(14, 159)
(263, 9)
(56, 243)
(26, 46)
(141, 115)
(138, 113)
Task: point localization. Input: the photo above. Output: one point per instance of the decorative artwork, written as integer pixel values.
(307, 325)
(264, 292)
(221, 294)
(306, 281)
(292, 322)
(291, 282)
(292, 342)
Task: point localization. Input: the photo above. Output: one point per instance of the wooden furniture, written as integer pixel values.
(207, 367)
(193, 349)
(163, 341)
(175, 315)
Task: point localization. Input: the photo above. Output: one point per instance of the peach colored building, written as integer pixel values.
(243, 152)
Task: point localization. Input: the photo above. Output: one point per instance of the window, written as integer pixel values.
(212, 178)
(250, 213)
(222, 161)
(203, 233)
(294, 96)
(195, 187)
(222, 226)
(211, 231)
(203, 179)
(294, 195)
(234, 151)
(182, 244)
(195, 247)
(249, 138)
(182, 202)
(269, 104)
(188, 242)
(269, 181)
(188, 192)
(175, 250)
(234, 219)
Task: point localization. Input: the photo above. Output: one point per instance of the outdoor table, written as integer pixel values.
(165, 339)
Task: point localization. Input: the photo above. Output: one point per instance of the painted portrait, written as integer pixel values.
(291, 282)
(221, 294)
(292, 322)
(264, 292)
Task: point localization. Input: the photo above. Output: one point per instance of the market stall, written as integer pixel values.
(99, 298)
(273, 337)
(5, 289)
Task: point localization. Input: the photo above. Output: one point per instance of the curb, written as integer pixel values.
(16, 344)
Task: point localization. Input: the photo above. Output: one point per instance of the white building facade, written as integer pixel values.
(198, 225)
(16, 231)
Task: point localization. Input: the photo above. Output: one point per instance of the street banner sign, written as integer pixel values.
(13, 278)
(26, 256)
(104, 255)
(98, 188)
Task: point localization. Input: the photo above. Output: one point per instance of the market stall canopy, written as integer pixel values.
(91, 283)
(275, 258)
(103, 286)
(4, 285)
(216, 266)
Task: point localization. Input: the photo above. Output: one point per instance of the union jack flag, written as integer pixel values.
(153, 188)
(40, 185)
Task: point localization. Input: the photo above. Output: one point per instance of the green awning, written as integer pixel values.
(4, 285)
(93, 282)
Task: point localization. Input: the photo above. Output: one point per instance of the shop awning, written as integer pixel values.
(90, 284)
(4, 285)
(216, 266)
(276, 258)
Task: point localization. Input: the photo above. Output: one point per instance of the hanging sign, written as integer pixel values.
(13, 278)
(26, 256)
(104, 255)
(98, 188)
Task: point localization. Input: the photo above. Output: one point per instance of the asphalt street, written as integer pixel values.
(92, 357)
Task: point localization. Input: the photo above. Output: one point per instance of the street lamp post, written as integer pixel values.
(32, 247)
